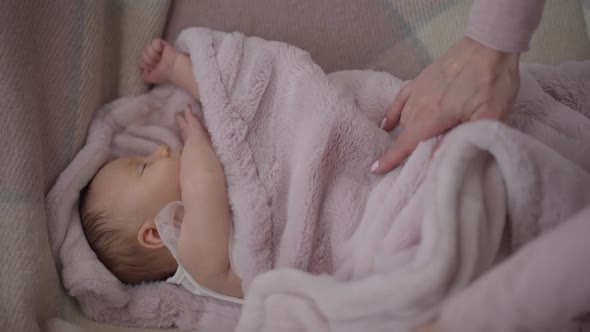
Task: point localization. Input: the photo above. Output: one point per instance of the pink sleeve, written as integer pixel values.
(504, 25)
(545, 286)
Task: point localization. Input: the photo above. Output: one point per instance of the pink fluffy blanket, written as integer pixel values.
(323, 244)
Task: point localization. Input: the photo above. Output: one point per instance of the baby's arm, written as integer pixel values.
(161, 63)
(203, 245)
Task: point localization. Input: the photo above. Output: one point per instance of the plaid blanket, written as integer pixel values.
(397, 36)
(59, 60)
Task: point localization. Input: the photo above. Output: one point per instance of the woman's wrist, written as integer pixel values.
(468, 53)
(489, 55)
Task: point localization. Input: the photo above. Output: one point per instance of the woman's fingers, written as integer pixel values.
(402, 147)
(395, 111)
(421, 128)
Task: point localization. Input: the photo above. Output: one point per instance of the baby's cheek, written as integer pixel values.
(168, 179)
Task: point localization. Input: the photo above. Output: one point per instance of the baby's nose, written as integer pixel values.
(163, 151)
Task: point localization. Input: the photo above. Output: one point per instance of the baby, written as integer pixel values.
(119, 206)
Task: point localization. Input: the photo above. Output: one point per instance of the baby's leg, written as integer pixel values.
(161, 63)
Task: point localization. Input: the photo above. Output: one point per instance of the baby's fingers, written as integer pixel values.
(154, 49)
(189, 116)
(183, 126)
(194, 124)
(192, 121)
(158, 45)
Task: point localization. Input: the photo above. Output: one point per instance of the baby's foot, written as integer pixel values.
(157, 61)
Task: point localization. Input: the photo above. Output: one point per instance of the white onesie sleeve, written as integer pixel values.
(168, 222)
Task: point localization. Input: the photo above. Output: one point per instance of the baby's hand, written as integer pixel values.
(199, 164)
(157, 61)
(190, 125)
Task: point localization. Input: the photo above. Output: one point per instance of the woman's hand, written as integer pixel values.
(469, 82)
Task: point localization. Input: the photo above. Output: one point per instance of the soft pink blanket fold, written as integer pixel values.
(349, 251)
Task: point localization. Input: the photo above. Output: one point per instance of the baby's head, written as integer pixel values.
(118, 209)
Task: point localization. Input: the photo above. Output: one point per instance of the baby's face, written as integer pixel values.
(136, 189)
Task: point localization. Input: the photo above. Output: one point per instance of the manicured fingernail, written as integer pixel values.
(383, 123)
(374, 166)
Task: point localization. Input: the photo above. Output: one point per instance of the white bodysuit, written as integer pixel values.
(168, 222)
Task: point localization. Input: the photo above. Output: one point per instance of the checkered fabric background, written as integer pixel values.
(60, 60)
(398, 36)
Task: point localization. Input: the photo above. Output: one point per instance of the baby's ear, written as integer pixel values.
(148, 235)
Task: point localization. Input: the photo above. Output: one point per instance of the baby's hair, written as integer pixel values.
(117, 248)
